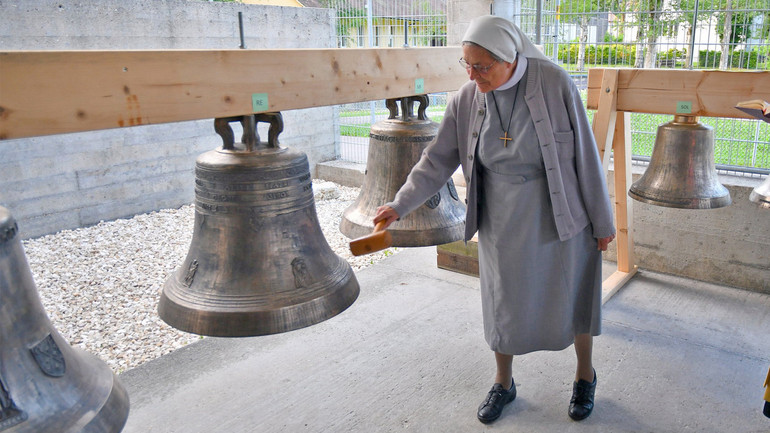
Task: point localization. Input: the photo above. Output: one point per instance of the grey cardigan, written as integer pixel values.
(574, 171)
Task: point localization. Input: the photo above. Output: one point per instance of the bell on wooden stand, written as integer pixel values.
(682, 173)
(258, 263)
(46, 385)
(395, 146)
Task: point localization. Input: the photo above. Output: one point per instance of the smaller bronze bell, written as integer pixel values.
(682, 173)
(395, 146)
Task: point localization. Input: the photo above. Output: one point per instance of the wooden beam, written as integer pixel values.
(51, 92)
(697, 92)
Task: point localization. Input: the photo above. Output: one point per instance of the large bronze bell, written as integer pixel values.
(258, 263)
(46, 385)
(395, 146)
(761, 194)
(682, 173)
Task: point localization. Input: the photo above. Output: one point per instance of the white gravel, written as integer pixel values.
(100, 285)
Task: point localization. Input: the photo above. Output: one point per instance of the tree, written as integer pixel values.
(652, 21)
(734, 20)
(726, 34)
(578, 12)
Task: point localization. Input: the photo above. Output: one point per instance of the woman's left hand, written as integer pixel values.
(604, 242)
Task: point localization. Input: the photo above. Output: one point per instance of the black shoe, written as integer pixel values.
(497, 397)
(582, 402)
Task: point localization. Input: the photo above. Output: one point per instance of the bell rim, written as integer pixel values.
(761, 200)
(683, 202)
(229, 323)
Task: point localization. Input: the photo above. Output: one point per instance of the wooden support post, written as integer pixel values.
(611, 132)
(604, 118)
(615, 93)
(624, 214)
(624, 241)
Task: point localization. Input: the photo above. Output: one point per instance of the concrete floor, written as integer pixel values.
(676, 355)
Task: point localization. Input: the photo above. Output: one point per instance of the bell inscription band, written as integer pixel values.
(46, 385)
(682, 172)
(395, 146)
(258, 263)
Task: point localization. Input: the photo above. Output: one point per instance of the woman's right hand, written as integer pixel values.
(385, 213)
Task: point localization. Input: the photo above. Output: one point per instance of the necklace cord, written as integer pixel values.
(505, 138)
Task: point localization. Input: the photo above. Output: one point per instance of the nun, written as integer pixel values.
(536, 196)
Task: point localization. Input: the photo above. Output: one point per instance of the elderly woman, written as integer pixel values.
(537, 196)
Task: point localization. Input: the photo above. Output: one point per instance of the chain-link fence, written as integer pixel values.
(583, 34)
(383, 23)
(675, 34)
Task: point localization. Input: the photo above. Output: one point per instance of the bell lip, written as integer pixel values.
(113, 414)
(683, 203)
(228, 323)
(103, 407)
(761, 200)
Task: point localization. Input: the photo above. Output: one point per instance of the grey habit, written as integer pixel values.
(540, 282)
(537, 291)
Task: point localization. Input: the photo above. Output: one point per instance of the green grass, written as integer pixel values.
(355, 130)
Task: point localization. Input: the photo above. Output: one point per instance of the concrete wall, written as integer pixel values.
(74, 180)
(729, 245)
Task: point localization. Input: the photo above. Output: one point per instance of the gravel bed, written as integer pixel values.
(100, 285)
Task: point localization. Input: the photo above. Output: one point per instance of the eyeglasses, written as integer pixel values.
(480, 69)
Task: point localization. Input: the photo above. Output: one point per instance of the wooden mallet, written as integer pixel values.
(378, 240)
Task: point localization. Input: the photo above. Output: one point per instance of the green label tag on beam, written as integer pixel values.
(419, 86)
(683, 107)
(259, 102)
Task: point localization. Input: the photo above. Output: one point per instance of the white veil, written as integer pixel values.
(502, 38)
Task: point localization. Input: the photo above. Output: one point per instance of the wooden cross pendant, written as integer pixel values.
(506, 139)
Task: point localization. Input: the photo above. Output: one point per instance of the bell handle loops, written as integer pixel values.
(275, 119)
(249, 138)
(424, 102)
(407, 112)
(392, 107)
(406, 108)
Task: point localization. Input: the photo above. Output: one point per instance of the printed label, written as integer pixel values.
(259, 102)
(683, 107)
(419, 86)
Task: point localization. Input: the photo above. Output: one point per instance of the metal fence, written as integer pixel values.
(675, 34)
(383, 23)
(582, 34)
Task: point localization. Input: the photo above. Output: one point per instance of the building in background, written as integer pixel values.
(391, 23)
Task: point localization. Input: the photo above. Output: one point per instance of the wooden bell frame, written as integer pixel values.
(53, 92)
(616, 93)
